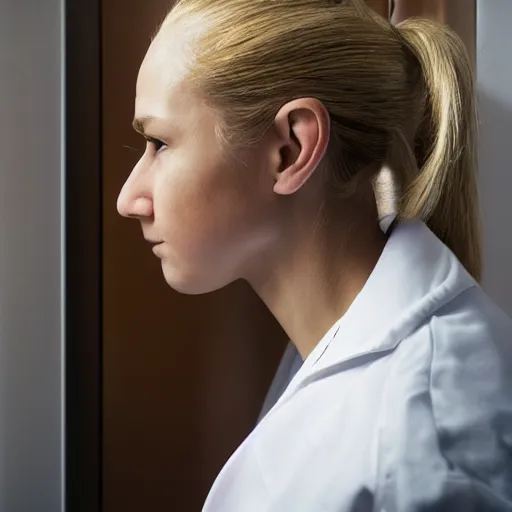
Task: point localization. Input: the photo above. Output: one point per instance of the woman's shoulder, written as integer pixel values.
(471, 384)
(471, 358)
(449, 412)
(464, 349)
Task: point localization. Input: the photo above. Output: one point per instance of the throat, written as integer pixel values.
(316, 283)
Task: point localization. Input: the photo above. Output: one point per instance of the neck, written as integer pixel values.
(318, 272)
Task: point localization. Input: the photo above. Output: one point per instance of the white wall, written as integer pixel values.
(31, 347)
(494, 76)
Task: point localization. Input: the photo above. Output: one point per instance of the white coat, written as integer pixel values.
(405, 405)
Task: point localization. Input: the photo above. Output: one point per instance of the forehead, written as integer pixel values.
(168, 59)
(164, 93)
(160, 78)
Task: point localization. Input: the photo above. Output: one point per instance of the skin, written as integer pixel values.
(263, 214)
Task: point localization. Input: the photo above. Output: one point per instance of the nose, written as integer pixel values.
(135, 200)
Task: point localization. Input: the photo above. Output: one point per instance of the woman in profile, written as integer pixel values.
(267, 123)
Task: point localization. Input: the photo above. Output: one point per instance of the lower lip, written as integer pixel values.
(157, 248)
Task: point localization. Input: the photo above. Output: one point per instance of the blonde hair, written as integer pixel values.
(400, 97)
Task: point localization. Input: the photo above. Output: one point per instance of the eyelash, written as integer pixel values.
(157, 144)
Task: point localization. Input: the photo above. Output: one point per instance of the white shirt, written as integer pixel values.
(404, 405)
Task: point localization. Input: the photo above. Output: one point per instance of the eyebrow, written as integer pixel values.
(139, 123)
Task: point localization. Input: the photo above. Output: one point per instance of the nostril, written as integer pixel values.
(141, 207)
(134, 205)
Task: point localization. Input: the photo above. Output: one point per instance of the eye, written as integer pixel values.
(157, 145)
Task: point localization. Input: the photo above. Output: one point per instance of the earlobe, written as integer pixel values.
(303, 126)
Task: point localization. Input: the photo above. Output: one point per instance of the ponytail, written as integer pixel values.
(444, 191)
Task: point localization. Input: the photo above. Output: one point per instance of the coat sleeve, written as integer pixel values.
(451, 446)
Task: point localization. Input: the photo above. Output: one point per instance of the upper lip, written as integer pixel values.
(153, 241)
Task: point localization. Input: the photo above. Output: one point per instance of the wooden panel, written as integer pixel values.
(459, 14)
(184, 377)
(380, 6)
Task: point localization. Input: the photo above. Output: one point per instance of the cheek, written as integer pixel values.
(191, 206)
(209, 213)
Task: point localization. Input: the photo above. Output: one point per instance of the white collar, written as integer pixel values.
(415, 275)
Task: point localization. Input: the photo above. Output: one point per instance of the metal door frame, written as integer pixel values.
(83, 291)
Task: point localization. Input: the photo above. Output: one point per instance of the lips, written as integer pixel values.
(156, 247)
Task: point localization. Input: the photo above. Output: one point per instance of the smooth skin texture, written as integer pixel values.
(263, 213)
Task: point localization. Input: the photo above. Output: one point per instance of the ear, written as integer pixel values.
(303, 127)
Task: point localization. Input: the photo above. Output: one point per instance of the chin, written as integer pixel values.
(191, 283)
